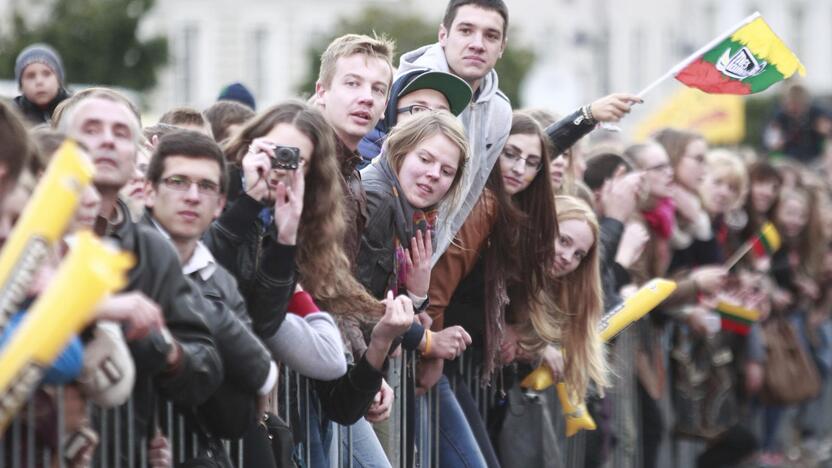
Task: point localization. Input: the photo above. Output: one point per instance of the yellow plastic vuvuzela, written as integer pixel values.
(41, 224)
(92, 270)
(635, 307)
(577, 416)
(612, 323)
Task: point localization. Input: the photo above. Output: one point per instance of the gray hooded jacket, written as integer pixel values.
(487, 122)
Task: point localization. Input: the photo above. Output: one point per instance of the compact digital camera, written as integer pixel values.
(285, 157)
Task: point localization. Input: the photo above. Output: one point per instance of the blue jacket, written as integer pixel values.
(370, 146)
(66, 368)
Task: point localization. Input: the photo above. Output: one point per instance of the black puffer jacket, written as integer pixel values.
(159, 276)
(263, 268)
(613, 275)
(35, 114)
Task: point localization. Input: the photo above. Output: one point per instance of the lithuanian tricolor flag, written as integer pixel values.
(736, 319)
(748, 59)
(766, 242)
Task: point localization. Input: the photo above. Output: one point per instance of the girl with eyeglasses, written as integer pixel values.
(686, 151)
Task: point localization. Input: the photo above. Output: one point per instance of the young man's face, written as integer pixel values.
(355, 99)
(423, 100)
(107, 128)
(474, 42)
(187, 198)
(39, 84)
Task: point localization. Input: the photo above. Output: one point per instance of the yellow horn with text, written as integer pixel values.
(43, 221)
(92, 270)
(612, 323)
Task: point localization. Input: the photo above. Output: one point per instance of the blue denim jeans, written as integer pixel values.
(457, 445)
(361, 439)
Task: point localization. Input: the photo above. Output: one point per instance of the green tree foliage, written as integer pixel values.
(411, 32)
(96, 39)
(758, 111)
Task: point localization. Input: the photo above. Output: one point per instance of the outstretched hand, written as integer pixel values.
(418, 264)
(136, 312)
(613, 107)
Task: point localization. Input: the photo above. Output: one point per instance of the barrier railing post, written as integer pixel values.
(306, 419)
(117, 434)
(394, 432)
(30, 435)
(131, 434)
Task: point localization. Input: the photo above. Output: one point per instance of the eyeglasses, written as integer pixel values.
(183, 184)
(414, 109)
(699, 158)
(530, 162)
(659, 167)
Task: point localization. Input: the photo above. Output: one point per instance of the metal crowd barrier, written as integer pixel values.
(293, 401)
(32, 440)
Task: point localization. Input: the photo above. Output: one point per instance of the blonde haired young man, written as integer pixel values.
(352, 90)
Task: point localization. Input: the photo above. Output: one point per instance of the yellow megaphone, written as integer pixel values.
(92, 270)
(43, 222)
(612, 323)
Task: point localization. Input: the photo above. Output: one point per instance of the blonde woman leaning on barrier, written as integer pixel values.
(577, 303)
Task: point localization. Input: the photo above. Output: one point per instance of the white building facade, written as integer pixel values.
(585, 48)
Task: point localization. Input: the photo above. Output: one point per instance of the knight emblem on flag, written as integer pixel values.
(741, 65)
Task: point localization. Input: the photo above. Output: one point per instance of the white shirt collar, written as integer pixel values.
(201, 261)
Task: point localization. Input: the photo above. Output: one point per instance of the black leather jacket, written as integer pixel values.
(244, 357)
(263, 268)
(35, 114)
(159, 276)
(567, 131)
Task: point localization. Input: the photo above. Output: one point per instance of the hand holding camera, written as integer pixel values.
(263, 156)
(256, 165)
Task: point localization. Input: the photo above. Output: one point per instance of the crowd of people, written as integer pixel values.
(412, 209)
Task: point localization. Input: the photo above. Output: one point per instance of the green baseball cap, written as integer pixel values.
(455, 89)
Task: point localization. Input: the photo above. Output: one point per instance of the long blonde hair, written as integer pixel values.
(569, 314)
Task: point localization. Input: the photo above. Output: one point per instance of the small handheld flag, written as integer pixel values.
(746, 59)
(767, 241)
(735, 318)
(750, 60)
(764, 245)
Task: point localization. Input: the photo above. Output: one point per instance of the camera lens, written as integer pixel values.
(284, 155)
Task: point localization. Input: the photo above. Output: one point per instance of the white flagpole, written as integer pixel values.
(687, 61)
